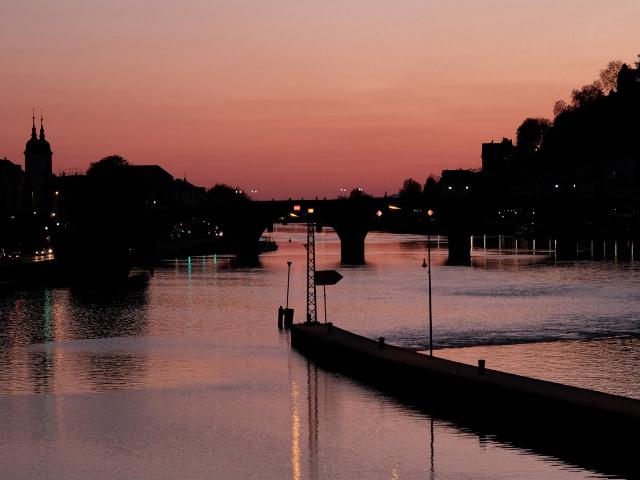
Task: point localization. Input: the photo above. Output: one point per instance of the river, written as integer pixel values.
(187, 376)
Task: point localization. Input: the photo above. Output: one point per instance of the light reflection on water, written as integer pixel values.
(186, 375)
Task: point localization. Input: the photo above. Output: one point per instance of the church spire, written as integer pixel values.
(41, 125)
(33, 123)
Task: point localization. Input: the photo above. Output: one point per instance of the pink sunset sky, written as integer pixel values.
(295, 97)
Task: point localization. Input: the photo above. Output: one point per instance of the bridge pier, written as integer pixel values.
(243, 225)
(247, 254)
(351, 246)
(459, 249)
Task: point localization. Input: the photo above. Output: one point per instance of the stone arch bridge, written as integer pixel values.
(244, 222)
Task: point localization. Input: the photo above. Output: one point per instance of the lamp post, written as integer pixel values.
(427, 265)
(288, 276)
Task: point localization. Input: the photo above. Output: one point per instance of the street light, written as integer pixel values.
(427, 265)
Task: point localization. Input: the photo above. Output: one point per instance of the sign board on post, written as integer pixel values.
(327, 277)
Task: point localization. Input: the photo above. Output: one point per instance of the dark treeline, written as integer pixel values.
(578, 173)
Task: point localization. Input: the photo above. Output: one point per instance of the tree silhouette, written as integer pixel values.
(560, 107)
(112, 163)
(586, 95)
(358, 193)
(430, 191)
(609, 75)
(223, 194)
(431, 185)
(530, 134)
(410, 189)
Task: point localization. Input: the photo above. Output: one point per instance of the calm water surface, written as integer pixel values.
(186, 376)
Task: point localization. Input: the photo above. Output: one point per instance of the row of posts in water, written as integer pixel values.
(592, 249)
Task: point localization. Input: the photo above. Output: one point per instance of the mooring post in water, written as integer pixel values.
(280, 317)
(381, 343)
(288, 312)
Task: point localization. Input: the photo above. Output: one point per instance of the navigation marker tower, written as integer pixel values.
(312, 313)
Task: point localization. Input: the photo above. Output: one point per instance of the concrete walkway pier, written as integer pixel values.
(588, 428)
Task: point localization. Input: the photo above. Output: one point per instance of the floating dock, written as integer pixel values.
(589, 428)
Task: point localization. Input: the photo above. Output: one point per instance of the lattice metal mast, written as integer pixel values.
(312, 313)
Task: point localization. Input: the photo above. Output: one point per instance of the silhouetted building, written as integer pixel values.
(496, 157)
(188, 195)
(149, 178)
(38, 159)
(458, 183)
(11, 184)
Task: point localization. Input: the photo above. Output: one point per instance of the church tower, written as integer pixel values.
(37, 158)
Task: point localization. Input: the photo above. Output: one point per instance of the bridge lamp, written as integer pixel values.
(310, 210)
(293, 215)
(393, 207)
(296, 208)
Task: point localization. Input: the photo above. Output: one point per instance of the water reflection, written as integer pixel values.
(41, 366)
(112, 370)
(186, 375)
(611, 458)
(110, 313)
(47, 315)
(432, 461)
(28, 317)
(295, 433)
(312, 410)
